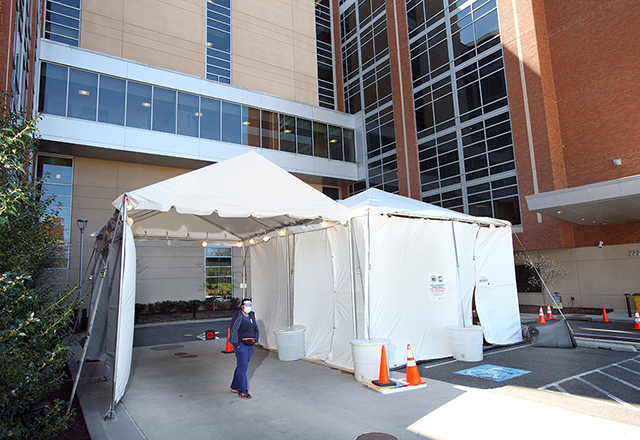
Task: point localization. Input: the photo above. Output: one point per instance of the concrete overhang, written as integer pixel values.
(598, 204)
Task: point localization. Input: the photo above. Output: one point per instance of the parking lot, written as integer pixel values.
(597, 382)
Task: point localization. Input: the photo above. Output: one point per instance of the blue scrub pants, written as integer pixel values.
(243, 354)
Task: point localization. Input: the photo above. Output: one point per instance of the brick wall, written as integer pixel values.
(580, 68)
(7, 11)
(596, 63)
(403, 108)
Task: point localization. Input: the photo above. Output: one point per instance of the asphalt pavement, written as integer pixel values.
(179, 389)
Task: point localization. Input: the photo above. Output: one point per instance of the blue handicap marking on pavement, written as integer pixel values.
(493, 372)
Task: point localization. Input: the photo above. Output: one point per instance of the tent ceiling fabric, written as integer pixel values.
(230, 200)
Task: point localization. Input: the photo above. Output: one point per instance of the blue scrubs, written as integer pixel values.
(243, 354)
(242, 327)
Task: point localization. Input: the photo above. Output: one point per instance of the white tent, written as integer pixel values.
(400, 269)
(411, 273)
(424, 265)
(241, 200)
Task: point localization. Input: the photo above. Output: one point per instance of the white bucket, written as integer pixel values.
(290, 342)
(466, 343)
(367, 354)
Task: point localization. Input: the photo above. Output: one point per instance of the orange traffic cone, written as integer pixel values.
(413, 375)
(604, 315)
(541, 319)
(549, 312)
(637, 320)
(383, 378)
(229, 347)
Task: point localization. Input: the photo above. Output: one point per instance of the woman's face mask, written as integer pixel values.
(247, 309)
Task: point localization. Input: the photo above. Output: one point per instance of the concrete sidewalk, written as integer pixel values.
(182, 391)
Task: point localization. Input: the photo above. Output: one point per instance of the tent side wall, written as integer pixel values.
(323, 300)
(414, 289)
(496, 292)
(269, 272)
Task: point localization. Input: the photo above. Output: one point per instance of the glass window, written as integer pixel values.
(335, 143)
(487, 26)
(62, 21)
(188, 114)
(164, 110)
(320, 140)
(210, 119)
(269, 130)
(251, 126)
(53, 89)
(231, 123)
(287, 133)
(305, 145)
(82, 97)
(111, 100)
(493, 87)
(58, 175)
(508, 209)
(138, 105)
(469, 98)
(219, 41)
(349, 145)
(219, 272)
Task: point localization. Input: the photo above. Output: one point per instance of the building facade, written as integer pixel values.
(521, 110)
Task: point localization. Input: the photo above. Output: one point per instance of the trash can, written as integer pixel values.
(367, 354)
(466, 342)
(290, 342)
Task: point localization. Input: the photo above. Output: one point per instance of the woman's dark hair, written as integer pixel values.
(244, 300)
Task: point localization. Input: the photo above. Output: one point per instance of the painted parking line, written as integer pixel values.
(581, 378)
(493, 372)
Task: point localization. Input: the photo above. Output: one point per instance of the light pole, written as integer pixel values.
(82, 224)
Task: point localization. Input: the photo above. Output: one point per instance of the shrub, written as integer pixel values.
(35, 320)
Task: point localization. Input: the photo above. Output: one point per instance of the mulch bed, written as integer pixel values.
(77, 429)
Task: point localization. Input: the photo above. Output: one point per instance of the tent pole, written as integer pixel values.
(455, 248)
(290, 273)
(103, 274)
(353, 282)
(112, 407)
(86, 342)
(243, 284)
(367, 279)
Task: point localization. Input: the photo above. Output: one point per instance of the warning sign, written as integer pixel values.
(437, 288)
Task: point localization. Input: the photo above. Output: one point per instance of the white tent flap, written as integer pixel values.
(496, 292)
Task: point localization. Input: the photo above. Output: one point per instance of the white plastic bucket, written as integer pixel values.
(366, 358)
(466, 343)
(290, 342)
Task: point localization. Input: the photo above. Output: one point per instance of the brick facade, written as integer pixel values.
(580, 63)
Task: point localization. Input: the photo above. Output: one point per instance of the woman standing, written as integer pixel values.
(244, 333)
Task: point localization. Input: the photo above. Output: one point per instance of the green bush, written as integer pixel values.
(164, 306)
(35, 320)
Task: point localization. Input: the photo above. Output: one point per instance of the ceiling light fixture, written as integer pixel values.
(83, 92)
(146, 104)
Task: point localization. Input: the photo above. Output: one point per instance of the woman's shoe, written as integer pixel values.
(244, 395)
